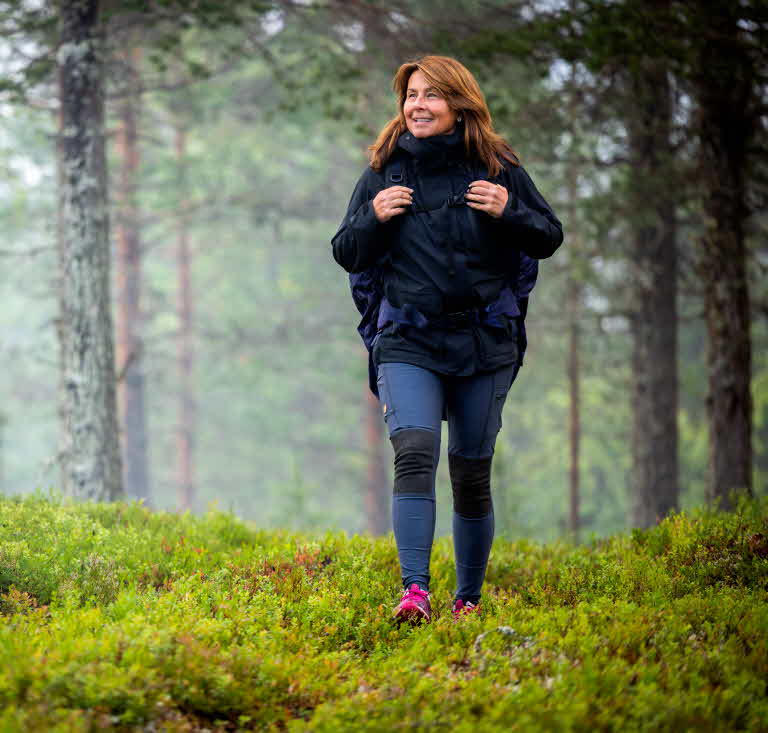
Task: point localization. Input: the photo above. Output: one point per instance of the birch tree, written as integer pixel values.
(90, 449)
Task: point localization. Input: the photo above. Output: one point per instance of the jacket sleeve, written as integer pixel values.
(361, 239)
(528, 218)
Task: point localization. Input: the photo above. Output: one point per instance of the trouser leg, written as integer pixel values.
(474, 406)
(412, 400)
(473, 524)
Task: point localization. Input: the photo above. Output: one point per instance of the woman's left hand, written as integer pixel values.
(488, 197)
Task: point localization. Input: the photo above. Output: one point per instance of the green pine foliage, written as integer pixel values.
(114, 616)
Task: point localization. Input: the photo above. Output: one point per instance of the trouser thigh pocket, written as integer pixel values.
(385, 400)
(502, 383)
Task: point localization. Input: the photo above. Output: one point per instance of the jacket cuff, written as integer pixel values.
(510, 208)
(364, 220)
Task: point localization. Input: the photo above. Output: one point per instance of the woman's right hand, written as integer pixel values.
(391, 201)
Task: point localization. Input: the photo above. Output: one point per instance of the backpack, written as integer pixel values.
(368, 293)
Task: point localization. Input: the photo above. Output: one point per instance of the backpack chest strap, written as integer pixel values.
(396, 177)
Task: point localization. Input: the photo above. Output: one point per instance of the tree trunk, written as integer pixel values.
(573, 305)
(654, 299)
(726, 97)
(574, 392)
(186, 426)
(58, 279)
(377, 491)
(90, 450)
(129, 345)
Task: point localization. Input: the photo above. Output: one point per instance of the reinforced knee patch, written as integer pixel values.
(414, 461)
(471, 484)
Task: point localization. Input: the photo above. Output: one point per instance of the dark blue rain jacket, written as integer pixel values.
(444, 286)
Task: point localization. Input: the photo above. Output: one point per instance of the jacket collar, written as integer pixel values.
(435, 150)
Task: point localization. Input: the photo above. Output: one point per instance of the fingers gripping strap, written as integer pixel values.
(414, 460)
(471, 484)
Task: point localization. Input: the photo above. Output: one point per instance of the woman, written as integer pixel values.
(444, 229)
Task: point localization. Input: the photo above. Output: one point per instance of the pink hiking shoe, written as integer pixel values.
(414, 606)
(463, 609)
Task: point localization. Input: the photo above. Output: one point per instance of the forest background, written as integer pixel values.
(235, 133)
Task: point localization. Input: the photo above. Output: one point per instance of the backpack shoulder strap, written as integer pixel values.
(395, 172)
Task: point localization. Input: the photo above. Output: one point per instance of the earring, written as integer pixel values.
(458, 119)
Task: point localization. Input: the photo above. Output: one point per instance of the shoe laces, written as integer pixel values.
(415, 593)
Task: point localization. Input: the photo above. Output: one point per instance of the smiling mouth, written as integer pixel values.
(423, 119)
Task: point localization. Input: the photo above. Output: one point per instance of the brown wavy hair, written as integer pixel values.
(462, 93)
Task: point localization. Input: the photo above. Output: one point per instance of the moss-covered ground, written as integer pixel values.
(116, 617)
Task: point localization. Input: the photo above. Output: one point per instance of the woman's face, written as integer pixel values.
(425, 109)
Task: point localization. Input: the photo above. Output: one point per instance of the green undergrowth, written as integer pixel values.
(116, 617)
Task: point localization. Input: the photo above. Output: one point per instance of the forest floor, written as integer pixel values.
(116, 617)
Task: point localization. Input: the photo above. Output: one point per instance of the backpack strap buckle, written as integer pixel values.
(457, 199)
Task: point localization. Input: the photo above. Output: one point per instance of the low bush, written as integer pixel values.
(113, 616)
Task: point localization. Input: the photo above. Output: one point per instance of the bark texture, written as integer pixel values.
(90, 450)
(727, 120)
(653, 283)
(131, 387)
